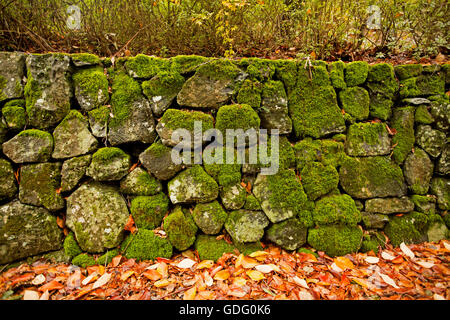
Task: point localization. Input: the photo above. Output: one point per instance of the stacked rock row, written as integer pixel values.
(86, 142)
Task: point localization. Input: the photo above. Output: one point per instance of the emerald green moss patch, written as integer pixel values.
(336, 70)
(408, 71)
(355, 101)
(336, 209)
(336, 240)
(71, 247)
(181, 228)
(250, 93)
(148, 211)
(409, 228)
(145, 245)
(356, 73)
(145, 67)
(83, 260)
(238, 116)
(107, 257)
(318, 180)
(209, 248)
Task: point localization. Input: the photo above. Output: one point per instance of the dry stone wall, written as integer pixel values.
(87, 142)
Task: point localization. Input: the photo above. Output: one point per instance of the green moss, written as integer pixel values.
(372, 242)
(408, 88)
(140, 183)
(71, 247)
(237, 116)
(408, 228)
(83, 260)
(408, 71)
(380, 106)
(145, 67)
(246, 248)
(175, 119)
(332, 152)
(381, 72)
(106, 258)
(145, 245)
(259, 69)
(446, 219)
(422, 115)
(219, 69)
(336, 70)
(101, 114)
(328, 152)
(109, 154)
(286, 71)
(336, 240)
(148, 211)
(305, 214)
(2, 86)
(308, 251)
(250, 93)
(125, 91)
(187, 64)
(181, 228)
(91, 82)
(355, 101)
(209, 248)
(431, 84)
(14, 116)
(355, 73)
(336, 209)
(403, 123)
(318, 180)
(165, 83)
(85, 57)
(251, 203)
(424, 204)
(209, 217)
(15, 103)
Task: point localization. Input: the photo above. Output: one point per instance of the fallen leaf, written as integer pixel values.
(39, 279)
(258, 254)
(388, 280)
(161, 283)
(52, 285)
(104, 279)
(370, 259)
(190, 294)
(89, 278)
(407, 251)
(205, 264)
(116, 260)
(267, 268)
(438, 297)
(45, 295)
(425, 264)
(301, 282)
(335, 267)
(222, 275)
(153, 275)
(186, 263)
(344, 263)
(239, 282)
(126, 275)
(255, 275)
(30, 295)
(387, 256)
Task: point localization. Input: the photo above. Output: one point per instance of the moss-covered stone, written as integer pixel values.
(259, 69)
(209, 217)
(355, 101)
(109, 164)
(73, 170)
(12, 67)
(372, 242)
(145, 245)
(84, 59)
(15, 116)
(83, 260)
(250, 93)
(98, 121)
(281, 195)
(149, 211)
(318, 180)
(233, 196)
(374, 220)
(209, 248)
(440, 187)
(158, 160)
(336, 71)
(336, 210)
(423, 115)
(139, 182)
(106, 258)
(251, 203)
(248, 247)
(180, 228)
(246, 226)
(8, 186)
(403, 140)
(424, 204)
(187, 64)
(289, 234)
(430, 140)
(382, 87)
(408, 228)
(329, 152)
(418, 171)
(237, 116)
(408, 71)
(367, 139)
(91, 88)
(436, 228)
(389, 205)
(371, 177)
(336, 240)
(224, 172)
(355, 73)
(145, 67)
(192, 185)
(274, 107)
(30, 145)
(71, 247)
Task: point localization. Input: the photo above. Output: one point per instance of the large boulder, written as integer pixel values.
(97, 214)
(371, 177)
(192, 185)
(39, 184)
(281, 195)
(12, 66)
(246, 226)
(418, 171)
(26, 231)
(29, 146)
(8, 186)
(48, 90)
(72, 137)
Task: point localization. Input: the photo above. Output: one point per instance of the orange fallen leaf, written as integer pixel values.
(152, 275)
(130, 226)
(52, 285)
(126, 275)
(60, 222)
(222, 275)
(344, 263)
(255, 275)
(190, 294)
(205, 264)
(161, 283)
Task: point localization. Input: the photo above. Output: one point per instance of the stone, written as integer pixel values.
(336, 210)
(403, 140)
(187, 64)
(430, 140)
(355, 101)
(209, 217)
(355, 73)
(73, 170)
(97, 214)
(367, 139)
(91, 88)
(146, 245)
(440, 187)
(72, 137)
(48, 90)
(85, 59)
(158, 160)
(281, 195)
(8, 185)
(424, 204)
(148, 211)
(408, 228)
(27, 231)
(422, 115)
(274, 108)
(98, 121)
(12, 66)
(336, 240)
(318, 179)
(39, 184)
(370, 177)
(162, 90)
(443, 165)
(14, 114)
(418, 171)
(174, 119)
(382, 87)
(436, 229)
(250, 93)
(209, 248)
(233, 197)
(289, 234)
(440, 110)
(30, 145)
(145, 67)
(211, 86)
(408, 71)
(131, 114)
(192, 185)
(246, 226)
(139, 182)
(336, 71)
(389, 205)
(327, 151)
(109, 164)
(180, 228)
(374, 220)
(416, 101)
